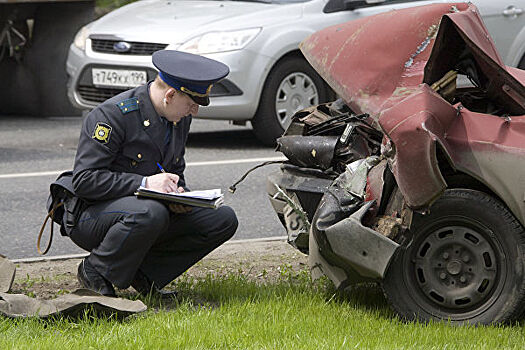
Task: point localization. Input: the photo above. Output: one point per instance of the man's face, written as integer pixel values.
(179, 105)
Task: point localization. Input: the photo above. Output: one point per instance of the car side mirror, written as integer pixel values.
(349, 5)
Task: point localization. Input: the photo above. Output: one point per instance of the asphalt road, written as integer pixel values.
(31, 145)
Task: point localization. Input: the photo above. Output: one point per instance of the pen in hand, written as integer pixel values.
(164, 171)
(161, 168)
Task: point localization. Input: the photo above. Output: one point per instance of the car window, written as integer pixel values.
(398, 1)
(270, 1)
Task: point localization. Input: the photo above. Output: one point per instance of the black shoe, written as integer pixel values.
(91, 279)
(142, 284)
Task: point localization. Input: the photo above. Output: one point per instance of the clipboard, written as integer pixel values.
(204, 199)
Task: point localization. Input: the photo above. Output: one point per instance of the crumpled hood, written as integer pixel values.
(165, 21)
(375, 61)
(396, 67)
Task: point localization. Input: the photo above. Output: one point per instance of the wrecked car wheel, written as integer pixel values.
(464, 263)
(292, 85)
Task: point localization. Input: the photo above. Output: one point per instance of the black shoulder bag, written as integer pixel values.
(63, 207)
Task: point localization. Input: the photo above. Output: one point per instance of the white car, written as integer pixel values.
(269, 80)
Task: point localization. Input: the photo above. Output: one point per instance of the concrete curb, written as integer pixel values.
(83, 255)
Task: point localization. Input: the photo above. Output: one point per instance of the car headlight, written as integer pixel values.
(220, 41)
(81, 37)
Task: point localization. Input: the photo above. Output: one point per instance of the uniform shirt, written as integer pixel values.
(121, 142)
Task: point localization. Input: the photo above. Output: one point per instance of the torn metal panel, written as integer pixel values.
(474, 127)
(366, 250)
(343, 240)
(357, 67)
(319, 267)
(414, 126)
(463, 35)
(74, 304)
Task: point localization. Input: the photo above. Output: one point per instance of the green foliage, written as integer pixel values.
(105, 6)
(233, 311)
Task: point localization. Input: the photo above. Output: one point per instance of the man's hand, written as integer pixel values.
(167, 182)
(163, 182)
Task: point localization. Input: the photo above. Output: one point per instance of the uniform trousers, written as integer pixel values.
(130, 233)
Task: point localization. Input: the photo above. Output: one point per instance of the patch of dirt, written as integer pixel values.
(261, 261)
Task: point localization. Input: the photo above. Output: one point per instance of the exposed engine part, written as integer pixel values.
(308, 151)
(446, 86)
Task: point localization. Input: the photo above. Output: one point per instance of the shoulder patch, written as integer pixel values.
(102, 132)
(128, 105)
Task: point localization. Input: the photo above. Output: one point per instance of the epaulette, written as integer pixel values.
(128, 105)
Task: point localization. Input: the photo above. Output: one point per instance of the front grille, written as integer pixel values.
(137, 48)
(93, 94)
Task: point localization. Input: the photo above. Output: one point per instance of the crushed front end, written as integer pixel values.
(391, 183)
(333, 181)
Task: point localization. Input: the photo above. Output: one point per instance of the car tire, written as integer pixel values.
(462, 264)
(296, 85)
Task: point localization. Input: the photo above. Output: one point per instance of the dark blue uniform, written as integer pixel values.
(121, 142)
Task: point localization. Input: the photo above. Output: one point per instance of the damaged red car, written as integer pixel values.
(415, 178)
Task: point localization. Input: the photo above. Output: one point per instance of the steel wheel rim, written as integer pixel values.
(296, 91)
(444, 254)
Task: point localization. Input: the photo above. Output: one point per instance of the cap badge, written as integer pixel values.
(193, 93)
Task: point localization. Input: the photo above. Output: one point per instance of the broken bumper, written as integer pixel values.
(339, 245)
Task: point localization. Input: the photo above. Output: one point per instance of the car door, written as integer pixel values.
(387, 5)
(505, 20)
(333, 16)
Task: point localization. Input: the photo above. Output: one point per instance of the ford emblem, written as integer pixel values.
(122, 46)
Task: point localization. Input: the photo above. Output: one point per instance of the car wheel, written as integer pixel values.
(463, 263)
(292, 85)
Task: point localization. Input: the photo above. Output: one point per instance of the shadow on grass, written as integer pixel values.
(214, 290)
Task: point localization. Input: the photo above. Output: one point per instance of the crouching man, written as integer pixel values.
(141, 242)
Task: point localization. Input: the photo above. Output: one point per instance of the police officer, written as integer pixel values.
(134, 241)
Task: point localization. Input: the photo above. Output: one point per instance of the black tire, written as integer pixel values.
(266, 123)
(464, 263)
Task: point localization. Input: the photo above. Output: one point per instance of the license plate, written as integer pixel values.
(295, 224)
(118, 77)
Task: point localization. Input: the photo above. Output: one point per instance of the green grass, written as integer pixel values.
(232, 312)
